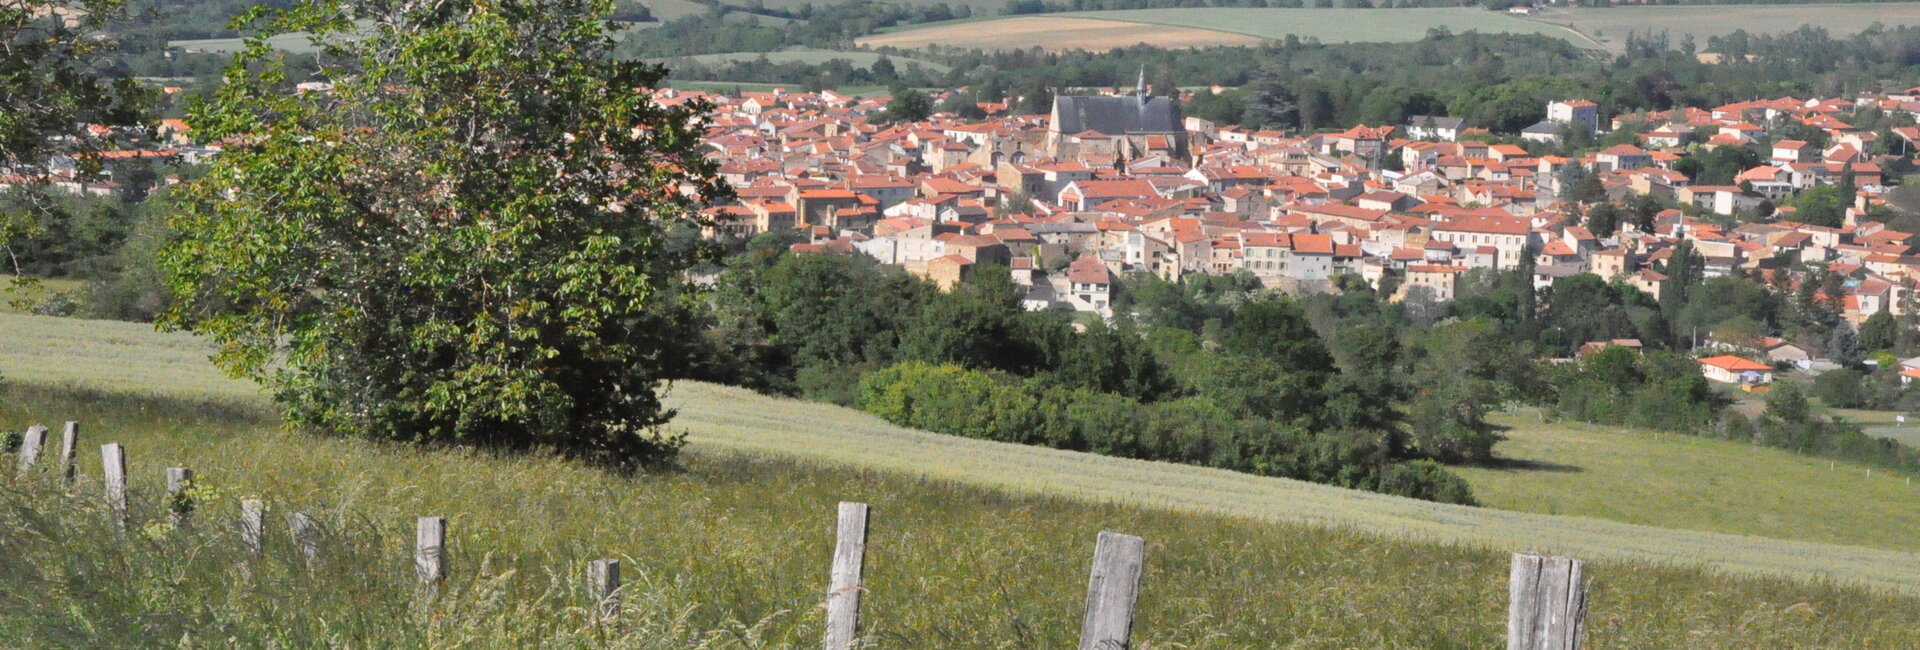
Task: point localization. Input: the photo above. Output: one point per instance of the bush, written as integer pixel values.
(1425, 480)
(1193, 430)
(1840, 388)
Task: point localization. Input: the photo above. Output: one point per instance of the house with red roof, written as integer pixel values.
(1731, 369)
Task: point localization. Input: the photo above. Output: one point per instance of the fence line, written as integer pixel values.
(1547, 594)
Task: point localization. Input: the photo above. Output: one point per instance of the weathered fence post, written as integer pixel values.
(1547, 603)
(253, 527)
(603, 582)
(179, 480)
(69, 447)
(843, 586)
(113, 476)
(306, 536)
(1112, 588)
(429, 552)
(30, 447)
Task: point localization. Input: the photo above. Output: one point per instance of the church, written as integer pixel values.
(1129, 126)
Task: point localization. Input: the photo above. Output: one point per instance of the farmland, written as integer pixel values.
(974, 543)
(1695, 483)
(1610, 26)
(809, 57)
(127, 358)
(1175, 28)
(1054, 33)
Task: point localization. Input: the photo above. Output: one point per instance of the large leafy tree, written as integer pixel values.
(49, 89)
(466, 240)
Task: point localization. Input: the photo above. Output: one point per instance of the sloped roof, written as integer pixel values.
(1116, 115)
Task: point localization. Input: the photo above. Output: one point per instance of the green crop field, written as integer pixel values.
(809, 57)
(1690, 482)
(1611, 25)
(974, 544)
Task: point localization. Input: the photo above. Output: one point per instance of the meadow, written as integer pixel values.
(1611, 25)
(974, 544)
(49, 286)
(130, 359)
(1694, 483)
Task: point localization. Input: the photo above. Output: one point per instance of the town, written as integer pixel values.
(1120, 183)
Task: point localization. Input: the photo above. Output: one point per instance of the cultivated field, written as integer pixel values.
(127, 358)
(1055, 33)
(737, 542)
(1174, 28)
(1690, 482)
(1611, 25)
(809, 57)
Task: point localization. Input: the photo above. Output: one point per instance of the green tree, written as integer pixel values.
(1820, 206)
(1839, 388)
(1880, 332)
(1038, 98)
(467, 241)
(907, 105)
(1603, 220)
(1787, 402)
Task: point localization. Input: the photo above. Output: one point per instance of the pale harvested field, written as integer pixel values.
(1057, 34)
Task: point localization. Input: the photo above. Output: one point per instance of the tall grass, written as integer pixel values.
(732, 551)
(124, 359)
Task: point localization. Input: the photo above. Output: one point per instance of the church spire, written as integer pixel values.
(1141, 87)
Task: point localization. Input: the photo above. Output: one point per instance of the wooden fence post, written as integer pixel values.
(430, 551)
(113, 476)
(253, 525)
(306, 536)
(1547, 603)
(179, 480)
(1112, 588)
(843, 586)
(30, 447)
(69, 447)
(603, 582)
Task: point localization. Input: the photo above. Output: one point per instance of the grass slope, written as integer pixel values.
(1689, 482)
(48, 287)
(738, 543)
(125, 357)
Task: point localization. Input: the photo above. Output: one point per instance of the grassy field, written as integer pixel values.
(974, 544)
(1610, 26)
(1054, 32)
(809, 57)
(1690, 482)
(1213, 26)
(129, 359)
(49, 286)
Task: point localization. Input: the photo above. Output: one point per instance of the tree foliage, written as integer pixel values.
(466, 241)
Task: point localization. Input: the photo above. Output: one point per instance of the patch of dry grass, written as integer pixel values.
(1056, 34)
